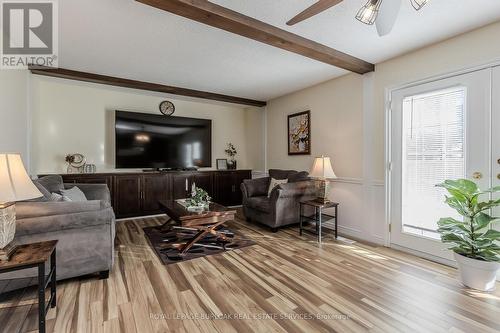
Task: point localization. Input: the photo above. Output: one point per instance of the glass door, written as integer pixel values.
(439, 130)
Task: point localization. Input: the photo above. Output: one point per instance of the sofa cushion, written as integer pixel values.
(52, 183)
(280, 174)
(37, 209)
(298, 176)
(262, 204)
(74, 194)
(273, 183)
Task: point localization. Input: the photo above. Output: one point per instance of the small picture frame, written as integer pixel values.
(221, 164)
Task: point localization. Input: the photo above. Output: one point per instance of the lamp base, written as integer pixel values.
(7, 251)
(322, 201)
(323, 191)
(7, 230)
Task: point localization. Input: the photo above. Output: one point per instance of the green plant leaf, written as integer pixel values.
(464, 186)
(455, 238)
(459, 206)
(483, 243)
(458, 195)
(482, 220)
(482, 206)
(492, 235)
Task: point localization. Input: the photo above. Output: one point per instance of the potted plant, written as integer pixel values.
(475, 244)
(231, 152)
(199, 198)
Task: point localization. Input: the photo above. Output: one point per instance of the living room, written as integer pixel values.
(235, 172)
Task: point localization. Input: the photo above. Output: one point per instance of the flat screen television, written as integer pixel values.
(162, 142)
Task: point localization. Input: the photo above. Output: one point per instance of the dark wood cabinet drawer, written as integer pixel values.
(128, 196)
(228, 186)
(154, 188)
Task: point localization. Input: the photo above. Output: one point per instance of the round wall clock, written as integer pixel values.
(167, 108)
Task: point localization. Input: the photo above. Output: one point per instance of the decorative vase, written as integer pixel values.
(477, 274)
(231, 164)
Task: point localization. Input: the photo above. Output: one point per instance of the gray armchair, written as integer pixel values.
(85, 231)
(281, 208)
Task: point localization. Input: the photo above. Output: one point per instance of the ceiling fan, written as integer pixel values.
(381, 12)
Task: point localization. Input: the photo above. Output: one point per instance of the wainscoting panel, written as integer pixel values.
(349, 194)
(362, 208)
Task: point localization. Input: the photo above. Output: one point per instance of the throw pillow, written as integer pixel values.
(274, 183)
(57, 197)
(280, 174)
(298, 176)
(53, 183)
(74, 194)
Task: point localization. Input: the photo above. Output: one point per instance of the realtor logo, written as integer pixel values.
(29, 34)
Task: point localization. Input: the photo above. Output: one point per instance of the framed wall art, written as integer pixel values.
(299, 133)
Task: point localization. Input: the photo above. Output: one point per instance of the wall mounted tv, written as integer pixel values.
(162, 142)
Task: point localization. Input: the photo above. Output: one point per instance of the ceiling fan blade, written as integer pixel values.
(315, 9)
(387, 16)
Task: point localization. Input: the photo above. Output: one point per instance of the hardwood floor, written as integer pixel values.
(285, 283)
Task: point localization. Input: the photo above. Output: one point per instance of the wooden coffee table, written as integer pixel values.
(202, 222)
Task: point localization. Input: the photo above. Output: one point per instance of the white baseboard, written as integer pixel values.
(358, 234)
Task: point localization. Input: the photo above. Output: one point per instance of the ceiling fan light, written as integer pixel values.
(369, 12)
(418, 4)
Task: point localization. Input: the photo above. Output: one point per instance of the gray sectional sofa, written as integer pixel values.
(281, 208)
(85, 231)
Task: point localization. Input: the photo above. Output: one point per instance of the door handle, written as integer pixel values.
(498, 161)
(186, 184)
(477, 175)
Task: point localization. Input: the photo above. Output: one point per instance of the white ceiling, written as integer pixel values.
(125, 38)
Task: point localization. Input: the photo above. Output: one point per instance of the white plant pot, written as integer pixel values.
(477, 274)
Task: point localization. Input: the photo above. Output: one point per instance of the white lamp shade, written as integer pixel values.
(322, 168)
(15, 184)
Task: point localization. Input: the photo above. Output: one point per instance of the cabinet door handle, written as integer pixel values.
(186, 184)
(477, 175)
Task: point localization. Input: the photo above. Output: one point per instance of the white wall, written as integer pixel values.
(14, 113)
(71, 116)
(348, 124)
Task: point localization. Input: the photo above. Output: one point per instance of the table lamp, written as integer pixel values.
(15, 185)
(322, 170)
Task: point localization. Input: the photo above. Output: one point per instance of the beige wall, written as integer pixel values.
(255, 138)
(14, 113)
(70, 116)
(336, 126)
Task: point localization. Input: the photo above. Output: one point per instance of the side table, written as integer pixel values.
(318, 216)
(36, 255)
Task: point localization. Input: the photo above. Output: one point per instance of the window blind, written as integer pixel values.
(433, 151)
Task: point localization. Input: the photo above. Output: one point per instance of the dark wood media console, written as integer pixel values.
(137, 194)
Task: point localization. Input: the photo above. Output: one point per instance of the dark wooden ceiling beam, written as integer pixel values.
(223, 18)
(127, 83)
